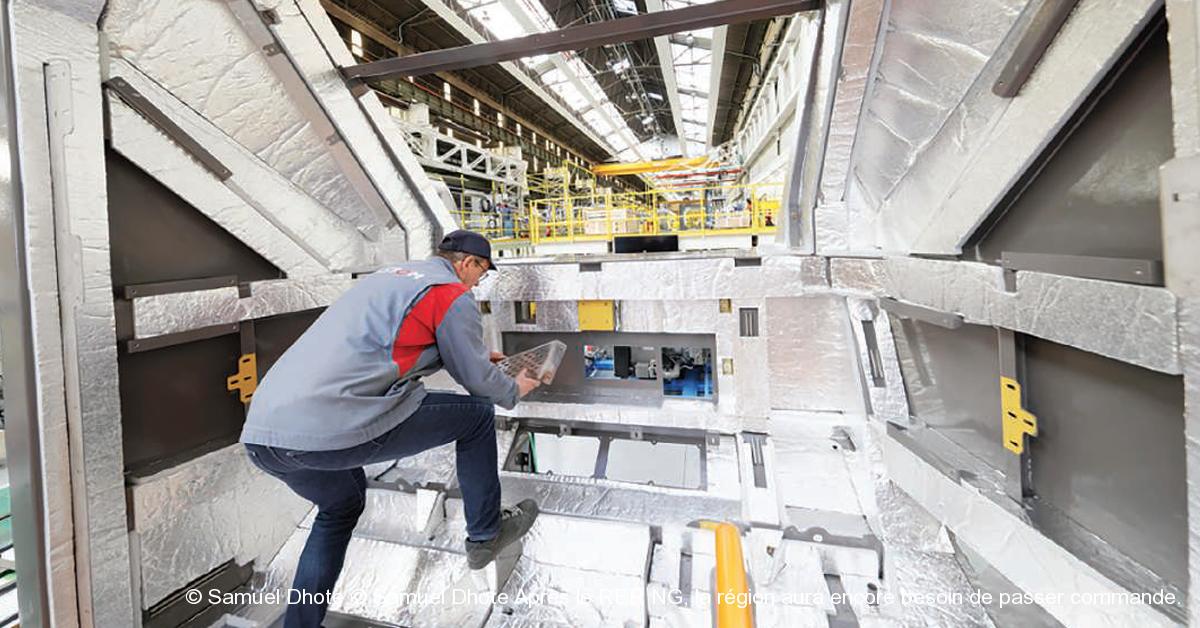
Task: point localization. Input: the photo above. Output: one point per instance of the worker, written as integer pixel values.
(348, 393)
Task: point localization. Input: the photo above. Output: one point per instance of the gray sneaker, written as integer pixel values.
(515, 521)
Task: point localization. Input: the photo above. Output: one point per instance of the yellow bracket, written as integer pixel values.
(245, 381)
(596, 316)
(1018, 422)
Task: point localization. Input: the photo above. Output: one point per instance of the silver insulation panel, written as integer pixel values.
(1189, 355)
(394, 575)
(379, 144)
(1128, 322)
(858, 50)
(59, 131)
(810, 358)
(655, 279)
(931, 56)
(888, 401)
(190, 519)
(182, 311)
(219, 72)
(254, 192)
(1031, 561)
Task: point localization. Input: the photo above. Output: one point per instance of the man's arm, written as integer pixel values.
(460, 343)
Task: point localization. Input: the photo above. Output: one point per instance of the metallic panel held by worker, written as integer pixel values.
(348, 393)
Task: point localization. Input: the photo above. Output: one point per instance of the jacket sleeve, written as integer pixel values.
(460, 343)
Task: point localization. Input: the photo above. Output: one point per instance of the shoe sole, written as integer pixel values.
(492, 553)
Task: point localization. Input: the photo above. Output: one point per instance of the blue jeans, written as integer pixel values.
(335, 482)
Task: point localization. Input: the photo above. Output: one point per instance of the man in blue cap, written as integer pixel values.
(348, 393)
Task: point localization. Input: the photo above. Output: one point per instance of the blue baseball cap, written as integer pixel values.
(468, 242)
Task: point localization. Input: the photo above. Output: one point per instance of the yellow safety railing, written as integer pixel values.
(565, 213)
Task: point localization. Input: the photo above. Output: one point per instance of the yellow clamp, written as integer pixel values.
(245, 381)
(1018, 422)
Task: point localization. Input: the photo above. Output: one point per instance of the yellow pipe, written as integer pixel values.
(734, 609)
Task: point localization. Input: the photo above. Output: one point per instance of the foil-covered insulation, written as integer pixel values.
(332, 240)
(418, 203)
(175, 312)
(858, 49)
(810, 353)
(1128, 322)
(812, 470)
(191, 518)
(674, 413)
(878, 360)
(220, 73)
(654, 279)
(59, 132)
(601, 499)
(1189, 355)
(395, 575)
(989, 142)
(1070, 590)
(931, 56)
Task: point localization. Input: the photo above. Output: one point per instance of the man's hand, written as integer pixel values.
(497, 357)
(525, 383)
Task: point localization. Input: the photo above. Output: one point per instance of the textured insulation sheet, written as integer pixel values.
(888, 401)
(858, 50)
(190, 519)
(1189, 330)
(1028, 559)
(1128, 322)
(674, 279)
(56, 67)
(182, 311)
(812, 364)
(219, 72)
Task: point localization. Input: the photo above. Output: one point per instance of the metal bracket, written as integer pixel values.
(1018, 422)
(245, 380)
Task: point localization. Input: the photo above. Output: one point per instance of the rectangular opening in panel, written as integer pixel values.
(676, 465)
(551, 454)
(687, 372)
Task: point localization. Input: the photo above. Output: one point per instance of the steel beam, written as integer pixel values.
(581, 37)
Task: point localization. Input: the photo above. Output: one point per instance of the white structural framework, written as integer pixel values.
(967, 365)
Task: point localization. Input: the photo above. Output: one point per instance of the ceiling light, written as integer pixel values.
(654, 96)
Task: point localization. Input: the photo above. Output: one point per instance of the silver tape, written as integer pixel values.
(198, 515)
(182, 311)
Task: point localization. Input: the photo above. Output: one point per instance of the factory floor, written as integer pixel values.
(828, 540)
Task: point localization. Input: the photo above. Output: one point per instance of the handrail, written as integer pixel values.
(734, 605)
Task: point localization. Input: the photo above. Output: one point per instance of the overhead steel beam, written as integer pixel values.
(581, 37)
(666, 65)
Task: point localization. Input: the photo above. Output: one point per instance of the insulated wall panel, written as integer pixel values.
(811, 355)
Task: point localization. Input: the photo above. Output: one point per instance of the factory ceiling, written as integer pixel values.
(614, 102)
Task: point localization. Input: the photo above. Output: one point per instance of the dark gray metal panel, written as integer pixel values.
(1110, 452)
(1128, 270)
(158, 237)
(953, 383)
(1095, 189)
(949, 320)
(570, 385)
(592, 35)
(1039, 33)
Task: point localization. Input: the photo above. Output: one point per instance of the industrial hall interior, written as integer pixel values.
(879, 313)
